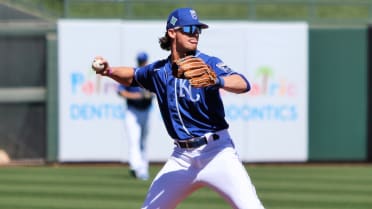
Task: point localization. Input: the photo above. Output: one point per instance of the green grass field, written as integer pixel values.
(110, 187)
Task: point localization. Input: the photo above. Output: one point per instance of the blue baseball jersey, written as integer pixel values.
(186, 111)
(141, 104)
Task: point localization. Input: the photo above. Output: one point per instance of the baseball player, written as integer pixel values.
(139, 103)
(187, 85)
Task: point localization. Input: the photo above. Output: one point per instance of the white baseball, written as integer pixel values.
(98, 65)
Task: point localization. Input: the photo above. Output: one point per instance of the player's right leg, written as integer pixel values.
(172, 184)
(143, 116)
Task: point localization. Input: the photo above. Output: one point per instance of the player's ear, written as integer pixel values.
(171, 33)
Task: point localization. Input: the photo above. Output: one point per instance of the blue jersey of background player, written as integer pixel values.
(139, 102)
(204, 154)
(140, 98)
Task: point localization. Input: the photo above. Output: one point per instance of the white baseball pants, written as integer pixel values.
(215, 165)
(137, 127)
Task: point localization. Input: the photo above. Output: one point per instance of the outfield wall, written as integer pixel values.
(338, 94)
(337, 128)
(369, 95)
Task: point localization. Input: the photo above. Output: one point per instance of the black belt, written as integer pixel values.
(196, 142)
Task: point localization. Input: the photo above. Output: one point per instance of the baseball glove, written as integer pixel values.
(196, 71)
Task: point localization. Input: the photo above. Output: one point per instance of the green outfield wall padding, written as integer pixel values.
(338, 94)
(52, 98)
(369, 93)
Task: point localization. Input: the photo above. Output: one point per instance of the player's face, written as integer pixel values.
(187, 38)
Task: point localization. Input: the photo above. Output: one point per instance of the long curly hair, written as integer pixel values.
(165, 42)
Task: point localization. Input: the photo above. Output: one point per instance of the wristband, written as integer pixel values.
(109, 71)
(220, 82)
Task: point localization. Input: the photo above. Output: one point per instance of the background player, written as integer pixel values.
(139, 102)
(204, 153)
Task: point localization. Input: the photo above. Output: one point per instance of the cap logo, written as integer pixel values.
(193, 14)
(173, 20)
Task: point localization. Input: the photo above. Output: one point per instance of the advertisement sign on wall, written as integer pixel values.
(268, 124)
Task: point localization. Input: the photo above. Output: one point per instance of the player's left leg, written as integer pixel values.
(226, 174)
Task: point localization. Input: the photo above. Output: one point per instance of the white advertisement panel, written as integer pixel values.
(90, 112)
(269, 124)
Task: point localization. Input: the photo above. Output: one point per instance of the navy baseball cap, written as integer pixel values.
(183, 17)
(142, 57)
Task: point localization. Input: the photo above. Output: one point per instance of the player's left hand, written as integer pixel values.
(196, 71)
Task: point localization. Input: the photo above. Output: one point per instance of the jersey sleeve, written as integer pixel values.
(222, 69)
(150, 76)
(142, 77)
